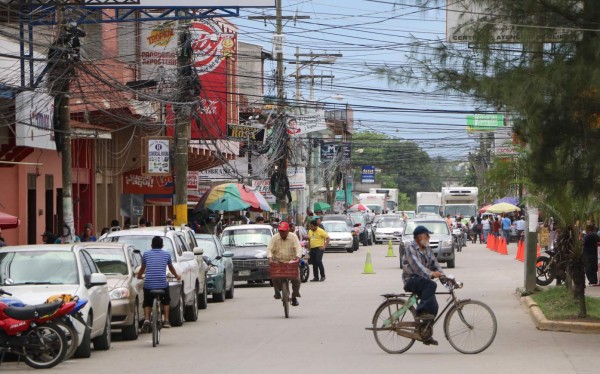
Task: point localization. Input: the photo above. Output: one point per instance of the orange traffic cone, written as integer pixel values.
(520, 251)
(494, 246)
(487, 243)
(502, 247)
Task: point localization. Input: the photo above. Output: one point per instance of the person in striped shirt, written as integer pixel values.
(155, 263)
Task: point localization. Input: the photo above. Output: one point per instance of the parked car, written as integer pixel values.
(389, 228)
(33, 273)
(440, 242)
(350, 222)
(365, 231)
(340, 234)
(118, 261)
(186, 295)
(219, 280)
(249, 246)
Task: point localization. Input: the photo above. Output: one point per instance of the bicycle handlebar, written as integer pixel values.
(450, 282)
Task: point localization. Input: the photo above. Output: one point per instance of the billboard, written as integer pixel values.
(248, 133)
(464, 16)
(329, 151)
(157, 155)
(134, 182)
(34, 115)
(367, 174)
(302, 124)
(158, 56)
(484, 122)
(263, 186)
(297, 177)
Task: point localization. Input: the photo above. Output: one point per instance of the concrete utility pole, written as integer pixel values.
(182, 124)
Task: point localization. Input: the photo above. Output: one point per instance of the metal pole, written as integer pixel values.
(280, 106)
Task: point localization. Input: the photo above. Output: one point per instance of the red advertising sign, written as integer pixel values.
(136, 183)
(211, 49)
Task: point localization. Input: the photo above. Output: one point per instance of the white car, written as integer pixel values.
(185, 294)
(340, 234)
(33, 273)
(388, 229)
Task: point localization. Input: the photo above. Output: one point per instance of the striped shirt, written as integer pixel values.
(156, 261)
(416, 262)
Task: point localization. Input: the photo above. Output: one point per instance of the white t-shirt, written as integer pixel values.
(520, 225)
(486, 224)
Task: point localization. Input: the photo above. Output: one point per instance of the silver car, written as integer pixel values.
(340, 234)
(440, 241)
(388, 228)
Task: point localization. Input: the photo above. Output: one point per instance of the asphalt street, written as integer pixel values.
(326, 333)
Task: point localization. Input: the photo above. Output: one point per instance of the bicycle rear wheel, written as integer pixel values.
(285, 298)
(470, 327)
(386, 327)
(155, 331)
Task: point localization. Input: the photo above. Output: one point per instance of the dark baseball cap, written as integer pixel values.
(421, 230)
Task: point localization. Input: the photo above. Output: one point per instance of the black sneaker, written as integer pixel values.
(322, 279)
(295, 302)
(146, 326)
(430, 341)
(314, 280)
(277, 295)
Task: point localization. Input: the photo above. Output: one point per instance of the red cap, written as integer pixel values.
(284, 226)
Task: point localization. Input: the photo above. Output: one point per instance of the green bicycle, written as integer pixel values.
(470, 326)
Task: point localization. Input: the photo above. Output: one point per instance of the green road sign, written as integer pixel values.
(484, 122)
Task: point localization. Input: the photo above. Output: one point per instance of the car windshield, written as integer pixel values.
(109, 260)
(437, 227)
(461, 210)
(390, 223)
(359, 218)
(336, 226)
(429, 209)
(143, 243)
(374, 208)
(208, 246)
(246, 237)
(38, 267)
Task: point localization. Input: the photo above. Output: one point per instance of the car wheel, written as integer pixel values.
(230, 292)
(102, 342)
(350, 250)
(132, 331)
(85, 350)
(220, 297)
(450, 264)
(177, 312)
(191, 311)
(365, 242)
(370, 240)
(203, 298)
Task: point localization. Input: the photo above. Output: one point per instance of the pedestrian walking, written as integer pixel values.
(590, 255)
(506, 222)
(319, 240)
(487, 228)
(88, 235)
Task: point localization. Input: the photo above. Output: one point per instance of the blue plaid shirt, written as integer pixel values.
(416, 262)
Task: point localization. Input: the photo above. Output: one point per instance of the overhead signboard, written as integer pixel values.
(217, 174)
(484, 122)
(34, 114)
(330, 150)
(367, 174)
(464, 17)
(263, 186)
(248, 133)
(134, 182)
(306, 123)
(180, 3)
(156, 155)
(297, 177)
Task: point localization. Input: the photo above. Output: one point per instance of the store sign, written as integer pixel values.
(192, 180)
(134, 182)
(262, 186)
(297, 177)
(505, 151)
(247, 133)
(306, 123)
(367, 174)
(34, 115)
(217, 174)
(158, 155)
(484, 122)
(330, 150)
(158, 56)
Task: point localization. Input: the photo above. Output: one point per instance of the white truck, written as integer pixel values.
(392, 197)
(429, 202)
(459, 201)
(376, 202)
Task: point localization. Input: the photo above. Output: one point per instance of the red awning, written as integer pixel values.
(8, 222)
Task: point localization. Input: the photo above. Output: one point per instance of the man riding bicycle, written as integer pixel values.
(419, 267)
(155, 263)
(285, 248)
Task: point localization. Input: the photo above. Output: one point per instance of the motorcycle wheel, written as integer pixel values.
(304, 273)
(70, 335)
(543, 271)
(52, 349)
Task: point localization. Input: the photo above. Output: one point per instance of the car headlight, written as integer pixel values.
(119, 293)
(446, 243)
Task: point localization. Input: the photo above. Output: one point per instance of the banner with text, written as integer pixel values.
(34, 115)
(262, 186)
(306, 123)
(367, 174)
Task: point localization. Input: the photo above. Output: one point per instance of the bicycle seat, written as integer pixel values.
(157, 292)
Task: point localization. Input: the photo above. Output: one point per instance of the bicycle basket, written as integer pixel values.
(284, 270)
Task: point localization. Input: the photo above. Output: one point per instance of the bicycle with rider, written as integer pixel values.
(284, 247)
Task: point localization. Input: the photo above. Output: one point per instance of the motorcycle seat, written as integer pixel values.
(32, 311)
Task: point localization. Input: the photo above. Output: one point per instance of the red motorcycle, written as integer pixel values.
(30, 332)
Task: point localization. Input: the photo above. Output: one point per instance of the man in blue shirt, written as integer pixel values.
(155, 263)
(506, 222)
(419, 268)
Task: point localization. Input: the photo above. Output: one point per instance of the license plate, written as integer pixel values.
(244, 273)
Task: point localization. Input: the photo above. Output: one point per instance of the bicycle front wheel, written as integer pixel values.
(286, 297)
(470, 327)
(387, 327)
(155, 332)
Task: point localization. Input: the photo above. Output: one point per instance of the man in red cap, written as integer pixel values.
(285, 248)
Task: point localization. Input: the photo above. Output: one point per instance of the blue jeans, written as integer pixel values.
(506, 234)
(486, 233)
(425, 289)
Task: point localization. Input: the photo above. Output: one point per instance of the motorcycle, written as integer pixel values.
(304, 268)
(550, 266)
(30, 332)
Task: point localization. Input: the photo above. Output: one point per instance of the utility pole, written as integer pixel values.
(186, 80)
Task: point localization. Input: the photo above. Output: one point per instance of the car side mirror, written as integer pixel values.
(198, 251)
(97, 279)
(188, 256)
(207, 260)
(228, 254)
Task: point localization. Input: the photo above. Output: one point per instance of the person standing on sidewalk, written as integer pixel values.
(487, 229)
(520, 226)
(590, 255)
(318, 240)
(506, 222)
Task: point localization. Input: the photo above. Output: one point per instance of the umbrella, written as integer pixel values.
(321, 206)
(503, 208)
(484, 208)
(358, 207)
(231, 197)
(8, 222)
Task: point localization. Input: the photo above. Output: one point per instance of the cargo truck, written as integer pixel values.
(376, 202)
(392, 197)
(459, 201)
(429, 202)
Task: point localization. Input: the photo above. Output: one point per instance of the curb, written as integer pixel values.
(542, 323)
